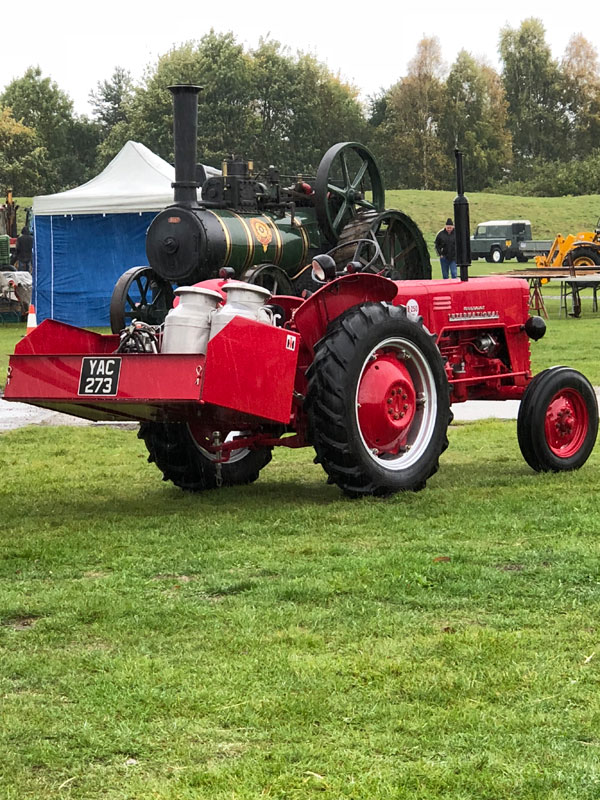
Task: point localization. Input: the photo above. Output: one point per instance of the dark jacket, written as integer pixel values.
(24, 247)
(445, 244)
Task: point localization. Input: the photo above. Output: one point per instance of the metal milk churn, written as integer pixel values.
(187, 326)
(243, 300)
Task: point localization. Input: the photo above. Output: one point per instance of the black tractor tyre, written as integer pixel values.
(174, 450)
(522, 259)
(378, 402)
(557, 422)
(496, 255)
(582, 256)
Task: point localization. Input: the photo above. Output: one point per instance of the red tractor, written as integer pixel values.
(365, 369)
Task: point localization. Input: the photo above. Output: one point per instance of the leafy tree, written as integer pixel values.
(534, 92)
(325, 111)
(111, 97)
(39, 104)
(581, 72)
(274, 91)
(378, 104)
(475, 120)
(22, 161)
(408, 140)
(217, 63)
(266, 105)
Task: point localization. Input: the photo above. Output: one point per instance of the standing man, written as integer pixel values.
(24, 250)
(445, 245)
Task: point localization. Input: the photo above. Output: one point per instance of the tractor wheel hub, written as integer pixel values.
(386, 403)
(566, 423)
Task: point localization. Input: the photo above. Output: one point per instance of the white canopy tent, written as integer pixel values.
(85, 238)
(135, 180)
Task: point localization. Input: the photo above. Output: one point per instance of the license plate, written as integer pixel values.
(99, 376)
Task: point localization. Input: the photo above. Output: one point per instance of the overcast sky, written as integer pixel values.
(78, 44)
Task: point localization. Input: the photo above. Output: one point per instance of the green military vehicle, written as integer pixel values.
(498, 239)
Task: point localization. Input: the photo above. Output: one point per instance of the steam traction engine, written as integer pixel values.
(265, 229)
(364, 369)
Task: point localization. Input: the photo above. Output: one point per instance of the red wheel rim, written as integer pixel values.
(387, 402)
(567, 423)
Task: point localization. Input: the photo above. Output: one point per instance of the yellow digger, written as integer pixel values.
(580, 252)
(577, 251)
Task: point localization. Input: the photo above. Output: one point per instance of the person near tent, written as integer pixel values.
(24, 250)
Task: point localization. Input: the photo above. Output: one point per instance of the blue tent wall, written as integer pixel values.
(79, 258)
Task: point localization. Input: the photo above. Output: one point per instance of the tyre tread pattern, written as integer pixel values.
(172, 448)
(532, 416)
(327, 398)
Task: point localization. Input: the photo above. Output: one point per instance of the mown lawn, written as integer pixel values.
(277, 640)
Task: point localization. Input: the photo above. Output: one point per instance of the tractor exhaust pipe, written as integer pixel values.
(185, 135)
(462, 225)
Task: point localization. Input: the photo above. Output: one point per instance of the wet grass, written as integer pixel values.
(277, 640)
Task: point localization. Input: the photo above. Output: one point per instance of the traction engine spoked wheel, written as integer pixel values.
(140, 293)
(558, 420)
(378, 402)
(177, 451)
(346, 170)
(404, 253)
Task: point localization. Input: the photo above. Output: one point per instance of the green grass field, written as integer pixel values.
(279, 641)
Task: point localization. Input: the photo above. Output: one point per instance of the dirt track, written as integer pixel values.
(17, 415)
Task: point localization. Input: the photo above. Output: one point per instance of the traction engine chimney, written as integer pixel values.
(185, 133)
(462, 225)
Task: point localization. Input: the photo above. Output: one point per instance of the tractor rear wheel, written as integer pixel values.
(558, 420)
(178, 454)
(378, 402)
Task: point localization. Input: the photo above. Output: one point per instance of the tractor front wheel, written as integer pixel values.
(378, 402)
(558, 420)
(178, 454)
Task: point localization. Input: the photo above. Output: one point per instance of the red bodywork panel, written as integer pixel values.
(458, 312)
(251, 367)
(314, 315)
(254, 374)
(47, 370)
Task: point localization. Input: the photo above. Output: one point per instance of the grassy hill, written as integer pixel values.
(23, 203)
(548, 215)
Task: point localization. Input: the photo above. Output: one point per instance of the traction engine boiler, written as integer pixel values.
(364, 369)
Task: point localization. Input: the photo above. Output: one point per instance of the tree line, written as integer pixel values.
(532, 128)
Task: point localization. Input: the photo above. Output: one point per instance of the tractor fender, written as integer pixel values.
(586, 243)
(312, 318)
